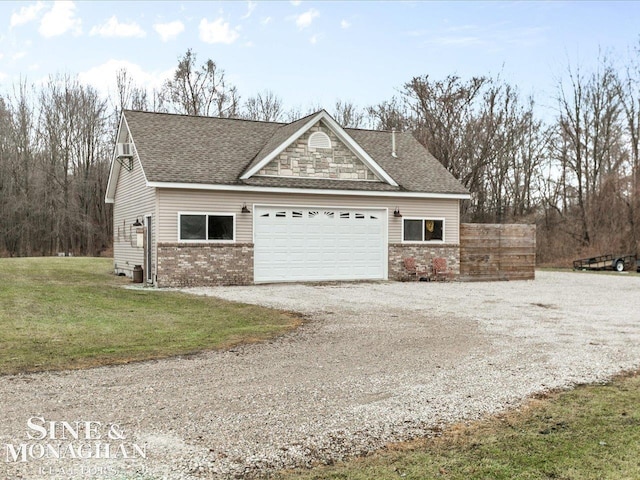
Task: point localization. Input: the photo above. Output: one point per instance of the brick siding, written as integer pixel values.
(200, 264)
(424, 254)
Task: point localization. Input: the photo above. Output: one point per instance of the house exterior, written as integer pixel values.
(211, 201)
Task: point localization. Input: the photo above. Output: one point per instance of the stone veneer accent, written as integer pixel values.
(424, 254)
(338, 162)
(200, 264)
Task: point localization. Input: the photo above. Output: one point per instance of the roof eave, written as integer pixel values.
(314, 191)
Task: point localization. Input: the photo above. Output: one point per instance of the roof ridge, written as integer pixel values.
(171, 114)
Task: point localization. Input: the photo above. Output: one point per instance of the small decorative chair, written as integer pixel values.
(415, 271)
(440, 270)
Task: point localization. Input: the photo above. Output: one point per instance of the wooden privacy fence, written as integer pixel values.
(497, 252)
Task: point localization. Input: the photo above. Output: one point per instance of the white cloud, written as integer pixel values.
(114, 28)
(18, 55)
(315, 38)
(60, 20)
(266, 20)
(26, 14)
(169, 31)
(251, 6)
(345, 24)
(304, 19)
(295, 3)
(217, 31)
(103, 77)
(3, 76)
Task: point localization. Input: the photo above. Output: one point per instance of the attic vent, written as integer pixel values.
(319, 140)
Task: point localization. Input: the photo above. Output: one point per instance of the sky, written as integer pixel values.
(314, 53)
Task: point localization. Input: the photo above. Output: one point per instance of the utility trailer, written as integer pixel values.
(619, 263)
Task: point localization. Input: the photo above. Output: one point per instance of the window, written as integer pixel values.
(423, 230)
(206, 227)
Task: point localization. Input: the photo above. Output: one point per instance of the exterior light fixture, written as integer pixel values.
(137, 223)
(245, 209)
(396, 213)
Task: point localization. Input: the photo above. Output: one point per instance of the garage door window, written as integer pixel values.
(423, 230)
(205, 227)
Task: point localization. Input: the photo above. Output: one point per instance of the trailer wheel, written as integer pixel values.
(620, 266)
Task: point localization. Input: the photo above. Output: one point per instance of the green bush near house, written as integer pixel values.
(67, 313)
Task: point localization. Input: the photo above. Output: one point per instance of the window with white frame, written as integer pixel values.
(206, 227)
(423, 230)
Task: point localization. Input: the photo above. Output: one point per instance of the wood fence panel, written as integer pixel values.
(490, 252)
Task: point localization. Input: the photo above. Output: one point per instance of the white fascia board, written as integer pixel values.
(110, 195)
(265, 161)
(114, 171)
(310, 191)
(339, 132)
(358, 150)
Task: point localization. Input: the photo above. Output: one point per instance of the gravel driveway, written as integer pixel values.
(373, 363)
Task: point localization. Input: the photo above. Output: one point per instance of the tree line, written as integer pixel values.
(574, 173)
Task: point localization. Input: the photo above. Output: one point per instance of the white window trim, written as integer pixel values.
(422, 242)
(208, 214)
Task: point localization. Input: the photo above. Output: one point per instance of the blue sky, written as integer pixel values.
(312, 53)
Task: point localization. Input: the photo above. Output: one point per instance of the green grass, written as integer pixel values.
(592, 432)
(67, 313)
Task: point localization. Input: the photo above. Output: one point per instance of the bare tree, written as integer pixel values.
(265, 106)
(200, 90)
(589, 125)
(73, 127)
(389, 115)
(130, 95)
(348, 114)
(629, 92)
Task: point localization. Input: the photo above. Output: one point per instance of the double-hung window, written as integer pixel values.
(423, 230)
(206, 227)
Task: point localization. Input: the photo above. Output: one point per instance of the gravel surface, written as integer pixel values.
(373, 363)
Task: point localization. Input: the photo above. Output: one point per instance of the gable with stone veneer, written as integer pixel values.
(337, 162)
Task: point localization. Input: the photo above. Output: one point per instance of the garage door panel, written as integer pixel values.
(308, 244)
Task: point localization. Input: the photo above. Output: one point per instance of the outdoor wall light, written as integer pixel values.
(245, 209)
(396, 213)
(137, 223)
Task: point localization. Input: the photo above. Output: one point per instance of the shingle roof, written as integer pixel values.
(206, 150)
(280, 135)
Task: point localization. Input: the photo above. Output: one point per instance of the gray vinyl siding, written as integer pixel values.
(173, 201)
(133, 199)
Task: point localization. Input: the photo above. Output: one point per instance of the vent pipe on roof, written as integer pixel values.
(393, 143)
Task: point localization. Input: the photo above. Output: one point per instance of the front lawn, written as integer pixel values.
(65, 313)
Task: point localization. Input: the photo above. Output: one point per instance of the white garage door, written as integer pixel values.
(312, 244)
